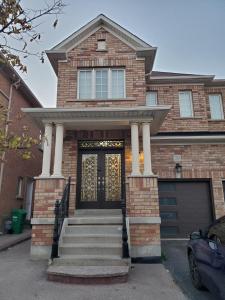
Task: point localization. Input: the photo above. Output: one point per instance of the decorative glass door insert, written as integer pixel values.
(100, 178)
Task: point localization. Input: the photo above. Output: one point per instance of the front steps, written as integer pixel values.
(90, 249)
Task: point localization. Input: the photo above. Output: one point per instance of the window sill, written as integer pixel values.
(19, 197)
(211, 120)
(102, 100)
(188, 118)
(101, 50)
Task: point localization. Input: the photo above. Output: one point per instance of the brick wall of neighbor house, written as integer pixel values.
(168, 95)
(85, 55)
(14, 165)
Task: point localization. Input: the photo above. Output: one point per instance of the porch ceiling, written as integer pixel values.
(104, 118)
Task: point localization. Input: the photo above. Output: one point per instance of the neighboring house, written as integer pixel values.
(123, 131)
(17, 174)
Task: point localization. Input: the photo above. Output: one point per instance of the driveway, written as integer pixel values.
(22, 279)
(176, 262)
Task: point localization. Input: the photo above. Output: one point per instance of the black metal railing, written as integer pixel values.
(61, 212)
(124, 231)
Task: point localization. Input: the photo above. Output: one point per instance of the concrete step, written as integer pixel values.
(88, 274)
(92, 212)
(92, 238)
(94, 229)
(91, 260)
(89, 219)
(91, 249)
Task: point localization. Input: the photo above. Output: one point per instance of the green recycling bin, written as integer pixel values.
(18, 220)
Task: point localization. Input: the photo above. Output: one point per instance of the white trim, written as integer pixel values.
(181, 77)
(42, 221)
(145, 220)
(188, 140)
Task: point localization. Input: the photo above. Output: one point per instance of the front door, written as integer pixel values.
(100, 178)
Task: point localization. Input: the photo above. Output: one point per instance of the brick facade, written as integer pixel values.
(204, 161)
(14, 165)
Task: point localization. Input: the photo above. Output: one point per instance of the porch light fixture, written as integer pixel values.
(178, 169)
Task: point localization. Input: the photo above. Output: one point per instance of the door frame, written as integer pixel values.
(99, 204)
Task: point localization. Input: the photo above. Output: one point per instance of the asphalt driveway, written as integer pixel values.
(176, 262)
(22, 279)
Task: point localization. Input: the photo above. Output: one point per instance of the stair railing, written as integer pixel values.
(125, 253)
(61, 212)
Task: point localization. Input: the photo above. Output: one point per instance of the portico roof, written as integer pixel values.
(103, 118)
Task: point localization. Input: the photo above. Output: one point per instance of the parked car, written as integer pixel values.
(206, 256)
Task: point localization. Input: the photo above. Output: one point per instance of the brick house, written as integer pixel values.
(16, 174)
(123, 131)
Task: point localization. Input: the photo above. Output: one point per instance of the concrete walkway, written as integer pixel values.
(23, 279)
(9, 240)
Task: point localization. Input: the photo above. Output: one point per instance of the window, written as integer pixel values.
(19, 187)
(101, 45)
(101, 84)
(167, 201)
(151, 98)
(85, 83)
(169, 231)
(168, 215)
(216, 107)
(186, 107)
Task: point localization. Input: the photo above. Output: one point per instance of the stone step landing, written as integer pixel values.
(90, 249)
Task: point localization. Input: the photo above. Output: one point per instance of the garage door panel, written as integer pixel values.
(184, 207)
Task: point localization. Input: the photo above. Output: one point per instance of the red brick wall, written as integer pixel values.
(198, 161)
(85, 55)
(168, 95)
(47, 191)
(15, 166)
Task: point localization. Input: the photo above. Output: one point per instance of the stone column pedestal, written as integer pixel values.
(144, 218)
(47, 191)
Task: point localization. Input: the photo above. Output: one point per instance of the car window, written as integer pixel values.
(217, 231)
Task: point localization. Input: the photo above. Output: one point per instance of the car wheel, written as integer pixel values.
(195, 275)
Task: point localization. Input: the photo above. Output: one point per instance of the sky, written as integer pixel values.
(189, 34)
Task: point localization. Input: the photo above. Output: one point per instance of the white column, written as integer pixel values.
(57, 172)
(47, 151)
(147, 149)
(135, 149)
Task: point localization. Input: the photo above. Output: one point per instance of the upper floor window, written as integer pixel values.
(186, 106)
(101, 84)
(216, 106)
(151, 98)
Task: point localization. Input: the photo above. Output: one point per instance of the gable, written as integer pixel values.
(114, 45)
(142, 49)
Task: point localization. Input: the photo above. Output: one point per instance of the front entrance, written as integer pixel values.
(100, 176)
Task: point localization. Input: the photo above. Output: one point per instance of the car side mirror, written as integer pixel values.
(196, 235)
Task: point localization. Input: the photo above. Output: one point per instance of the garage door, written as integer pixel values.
(185, 206)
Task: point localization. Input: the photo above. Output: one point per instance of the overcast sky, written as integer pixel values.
(189, 34)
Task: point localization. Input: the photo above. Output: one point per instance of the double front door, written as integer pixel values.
(100, 178)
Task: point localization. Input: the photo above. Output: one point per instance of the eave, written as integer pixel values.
(106, 118)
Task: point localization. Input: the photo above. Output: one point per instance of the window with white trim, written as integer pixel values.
(101, 84)
(216, 107)
(186, 105)
(151, 98)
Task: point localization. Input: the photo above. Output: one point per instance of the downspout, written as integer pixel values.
(16, 85)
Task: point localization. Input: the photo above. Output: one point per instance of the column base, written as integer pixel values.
(40, 252)
(145, 251)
